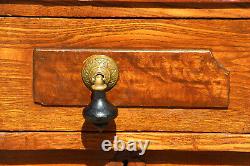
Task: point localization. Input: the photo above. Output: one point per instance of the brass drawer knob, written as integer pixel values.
(100, 74)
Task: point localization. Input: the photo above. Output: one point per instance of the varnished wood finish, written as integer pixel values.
(58, 157)
(176, 1)
(92, 141)
(230, 45)
(81, 157)
(136, 10)
(180, 158)
(114, 164)
(155, 78)
(136, 164)
(228, 38)
(232, 36)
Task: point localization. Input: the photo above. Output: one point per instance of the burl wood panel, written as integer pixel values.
(168, 78)
(228, 39)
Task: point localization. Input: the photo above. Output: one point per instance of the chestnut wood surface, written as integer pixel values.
(136, 163)
(92, 141)
(58, 157)
(19, 36)
(176, 1)
(228, 39)
(119, 9)
(217, 35)
(153, 78)
(81, 157)
(88, 163)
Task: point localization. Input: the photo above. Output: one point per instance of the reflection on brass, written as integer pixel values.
(99, 83)
(100, 72)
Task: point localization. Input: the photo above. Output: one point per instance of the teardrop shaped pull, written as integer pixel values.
(100, 74)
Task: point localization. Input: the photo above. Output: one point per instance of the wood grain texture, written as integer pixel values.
(229, 40)
(180, 158)
(58, 157)
(176, 1)
(83, 163)
(120, 9)
(114, 164)
(87, 163)
(151, 157)
(154, 78)
(223, 36)
(136, 164)
(92, 141)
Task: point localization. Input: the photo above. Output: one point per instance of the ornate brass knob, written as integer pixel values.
(100, 74)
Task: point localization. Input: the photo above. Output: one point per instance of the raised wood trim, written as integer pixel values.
(92, 141)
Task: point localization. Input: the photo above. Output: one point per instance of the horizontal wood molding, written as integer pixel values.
(120, 9)
(92, 141)
(151, 157)
(152, 78)
(19, 36)
(175, 1)
(232, 35)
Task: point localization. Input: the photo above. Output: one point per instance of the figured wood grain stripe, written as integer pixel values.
(92, 141)
(123, 9)
(155, 78)
(223, 36)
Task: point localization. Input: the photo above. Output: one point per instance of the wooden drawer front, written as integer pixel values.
(229, 41)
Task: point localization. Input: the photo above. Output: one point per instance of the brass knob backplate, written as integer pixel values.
(98, 67)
